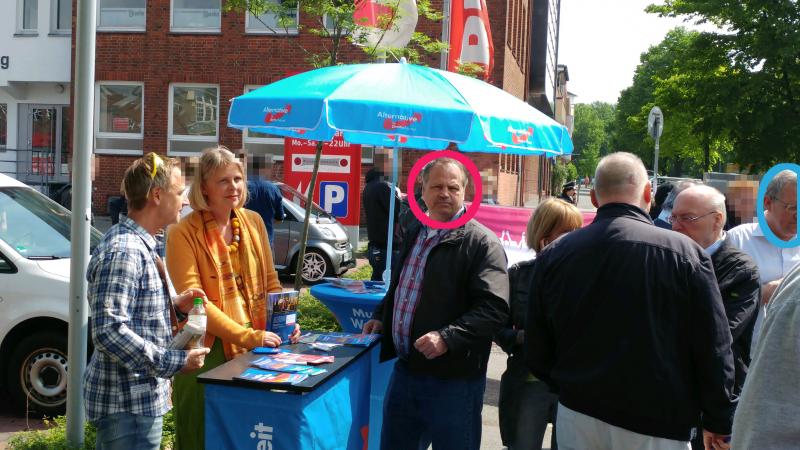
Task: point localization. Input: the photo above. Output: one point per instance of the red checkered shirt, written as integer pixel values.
(409, 287)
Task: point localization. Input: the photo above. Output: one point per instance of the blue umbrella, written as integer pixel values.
(399, 104)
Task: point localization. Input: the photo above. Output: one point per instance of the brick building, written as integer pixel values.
(165, 70)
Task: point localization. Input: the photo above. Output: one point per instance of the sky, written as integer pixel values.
(601, 41)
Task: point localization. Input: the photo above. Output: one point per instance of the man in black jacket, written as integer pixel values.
(375, 200)
(640, 347)
(699, 212)
(444, 304)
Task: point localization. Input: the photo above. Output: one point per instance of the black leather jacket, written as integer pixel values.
(464, 296)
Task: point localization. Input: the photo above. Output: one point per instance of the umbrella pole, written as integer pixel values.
(298, 277)
(387, 272)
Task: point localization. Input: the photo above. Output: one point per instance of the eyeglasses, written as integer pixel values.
(790, 208)
(686, 218)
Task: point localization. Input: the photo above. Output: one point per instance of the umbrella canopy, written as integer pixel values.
(399, 103)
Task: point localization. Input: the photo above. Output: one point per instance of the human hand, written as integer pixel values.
(767, 289)
(271, 339)
(185, 300)
(372, 326)
(432, 345)
(715, 441)
(295, 336)
(195, 359)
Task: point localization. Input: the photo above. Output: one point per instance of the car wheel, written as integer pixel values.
(315, 266)
(37, 373)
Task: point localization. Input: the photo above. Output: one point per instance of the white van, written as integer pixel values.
(34, 296)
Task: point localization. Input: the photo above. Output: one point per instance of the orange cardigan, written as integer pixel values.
(191, 265)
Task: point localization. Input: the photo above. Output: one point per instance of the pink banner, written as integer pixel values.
(509, 224)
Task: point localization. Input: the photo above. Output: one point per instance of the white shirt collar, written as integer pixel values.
(711, 249)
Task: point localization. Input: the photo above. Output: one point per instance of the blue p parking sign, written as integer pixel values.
(333, 197)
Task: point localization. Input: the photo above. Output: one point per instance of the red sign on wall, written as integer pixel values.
(338, 189)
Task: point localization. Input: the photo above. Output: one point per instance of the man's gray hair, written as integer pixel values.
(779, 181)
(619, 173)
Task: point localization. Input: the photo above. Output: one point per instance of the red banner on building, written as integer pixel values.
(470, 35)
(338, 189)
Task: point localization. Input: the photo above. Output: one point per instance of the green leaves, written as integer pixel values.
(592, 135)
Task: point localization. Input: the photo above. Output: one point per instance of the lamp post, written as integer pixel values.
(655, 125)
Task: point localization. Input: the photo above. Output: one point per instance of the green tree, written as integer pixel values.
(689, 79)
(592, 135)
(762, 103)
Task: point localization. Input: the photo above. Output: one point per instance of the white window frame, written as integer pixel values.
(135, 29)
(173, 29)
(278, 30)
(212, 140)
(54, 30)
(21, 19)
(109, 135)
(246, 139)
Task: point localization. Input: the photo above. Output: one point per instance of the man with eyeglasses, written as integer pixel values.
(780, 212)
(699, 212)
(126, 387)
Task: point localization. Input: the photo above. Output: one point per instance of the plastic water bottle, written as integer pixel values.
(197, 324)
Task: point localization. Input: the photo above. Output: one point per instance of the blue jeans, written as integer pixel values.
(125, 431)
(420, 410)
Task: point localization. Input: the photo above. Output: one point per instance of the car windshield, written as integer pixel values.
(294, 196)
(36, 226)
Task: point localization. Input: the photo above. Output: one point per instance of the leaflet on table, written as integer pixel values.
(267, 363)
(335, 337)
(299, 358)
(356, 286)
(266, 376)
(282, 313)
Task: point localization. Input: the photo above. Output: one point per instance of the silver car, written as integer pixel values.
(328, 250)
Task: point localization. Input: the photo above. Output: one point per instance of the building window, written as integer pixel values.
(271, 23)
(119, 111)
(121, 15)
(196, 16)
(261, 143)
(27, 16)
(61, 16)
(193, 123)
(3, 124)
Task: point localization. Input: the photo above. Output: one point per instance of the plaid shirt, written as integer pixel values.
(409, 287)
(130, 326)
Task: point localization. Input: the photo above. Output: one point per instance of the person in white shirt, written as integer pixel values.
(780, 212)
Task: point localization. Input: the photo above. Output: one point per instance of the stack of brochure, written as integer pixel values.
(267, 376)
(340, 338)
(282, 313)
(357, 286)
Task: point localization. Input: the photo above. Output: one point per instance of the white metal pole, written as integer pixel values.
(445, 33)
(387, 272)
(83, 120)
(657, 127)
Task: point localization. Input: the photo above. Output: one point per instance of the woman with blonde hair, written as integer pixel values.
(526, 404)
(223, 249)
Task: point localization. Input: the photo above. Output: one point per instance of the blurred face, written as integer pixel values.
(696, 218)
(443, 194)
(173, 199)
(782, 212)
(224, 188)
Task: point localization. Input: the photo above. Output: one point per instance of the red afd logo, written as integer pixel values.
(275, 114)
(520, 136)
(396, 121)
(402, 139)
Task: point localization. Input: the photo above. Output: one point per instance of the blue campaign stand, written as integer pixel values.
(352, 311)
(331, 414)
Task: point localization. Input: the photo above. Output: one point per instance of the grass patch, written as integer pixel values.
(54, 437)
(362, 273)
(313, 315)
